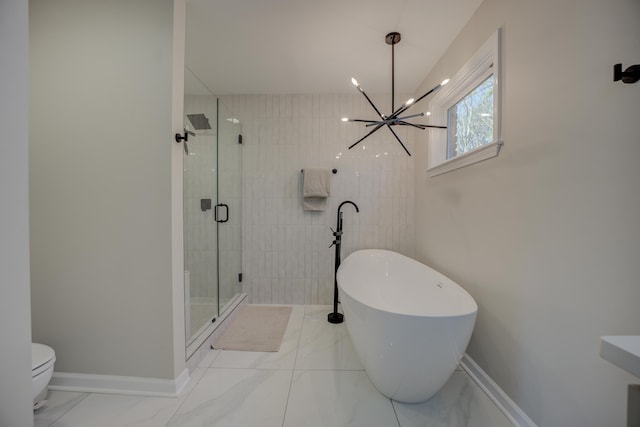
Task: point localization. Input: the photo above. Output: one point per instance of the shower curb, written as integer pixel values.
(199, 348)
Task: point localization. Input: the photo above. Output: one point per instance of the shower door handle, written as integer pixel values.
(215, 213)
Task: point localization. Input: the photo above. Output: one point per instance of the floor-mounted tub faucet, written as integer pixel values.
(336, 317)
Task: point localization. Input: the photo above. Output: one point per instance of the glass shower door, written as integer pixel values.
(212, 210)
(200, 229)
(229, 207)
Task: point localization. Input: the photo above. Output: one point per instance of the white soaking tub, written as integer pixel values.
(409, 324)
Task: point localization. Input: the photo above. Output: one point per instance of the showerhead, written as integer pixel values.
(199, 121)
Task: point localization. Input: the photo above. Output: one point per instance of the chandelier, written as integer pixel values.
(396, 118)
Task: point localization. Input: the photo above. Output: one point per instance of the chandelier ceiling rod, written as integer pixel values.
(394, 119)
(392, 39)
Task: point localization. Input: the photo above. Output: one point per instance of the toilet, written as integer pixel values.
(42, 360)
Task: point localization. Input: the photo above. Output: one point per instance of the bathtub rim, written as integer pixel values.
(465, 293)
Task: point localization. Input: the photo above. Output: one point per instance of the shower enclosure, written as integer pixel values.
(212, 208)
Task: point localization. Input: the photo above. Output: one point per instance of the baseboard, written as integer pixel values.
(111, 384)
(508, 407)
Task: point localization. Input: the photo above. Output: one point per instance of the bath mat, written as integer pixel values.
(255, 328)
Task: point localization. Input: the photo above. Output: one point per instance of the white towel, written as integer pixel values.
(314, 203)
(316, 187)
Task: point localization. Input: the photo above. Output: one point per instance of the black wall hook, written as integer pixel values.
(630, 75)
(185, 137)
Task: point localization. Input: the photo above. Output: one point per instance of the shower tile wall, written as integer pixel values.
(199, 183)
(286, 255)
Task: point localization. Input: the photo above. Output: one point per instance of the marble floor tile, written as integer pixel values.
(109, 410)
(337, 398)
(324, 345)
(282, 359)
(58, 404)
(316, 379)
(460, 403)
(194, 378)
(66, 409)
(208, 359)
(236, 397)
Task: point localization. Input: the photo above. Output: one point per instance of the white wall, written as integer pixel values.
(105, 209)
(546, 237)
(285, 249)
(177, 220)
(15, 322)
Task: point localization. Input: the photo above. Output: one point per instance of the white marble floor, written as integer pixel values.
(315, 379)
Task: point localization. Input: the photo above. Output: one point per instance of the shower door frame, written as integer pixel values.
(229, 194)
(233, 191)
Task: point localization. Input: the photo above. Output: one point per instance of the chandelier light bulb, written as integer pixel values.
(354, 81)
(409, 102)
(345, 119)
(428, 113)
(444, 82)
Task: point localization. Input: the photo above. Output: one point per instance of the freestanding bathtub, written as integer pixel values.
(409, 324)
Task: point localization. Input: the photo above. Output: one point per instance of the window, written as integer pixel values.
(470, 120)
(470, 105)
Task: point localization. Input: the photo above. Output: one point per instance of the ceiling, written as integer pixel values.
(316, 46)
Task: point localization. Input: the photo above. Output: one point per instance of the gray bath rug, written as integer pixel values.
(255, 328)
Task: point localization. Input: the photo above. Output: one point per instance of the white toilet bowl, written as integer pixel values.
(42, 360)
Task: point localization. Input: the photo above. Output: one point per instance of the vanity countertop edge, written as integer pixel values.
(623, 351)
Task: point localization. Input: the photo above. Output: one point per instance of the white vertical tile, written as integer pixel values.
(286, 133)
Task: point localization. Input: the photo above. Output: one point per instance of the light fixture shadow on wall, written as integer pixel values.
(395, 118)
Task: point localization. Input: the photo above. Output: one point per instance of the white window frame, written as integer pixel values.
(484, 63)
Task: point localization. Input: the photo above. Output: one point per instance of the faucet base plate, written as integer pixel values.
(335, 318)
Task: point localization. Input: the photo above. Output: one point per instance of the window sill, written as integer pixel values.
(479, 154)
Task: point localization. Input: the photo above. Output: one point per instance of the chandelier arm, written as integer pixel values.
(399, 111)
(435, 88)
(404, 108)
(382, 122)
(399, 140)
(421, 126)
(415, 125)
(363, 138)
(410, 116)
(371, 122)
(390, 121)
(370, 102)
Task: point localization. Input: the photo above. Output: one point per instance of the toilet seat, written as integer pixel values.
(42, 358)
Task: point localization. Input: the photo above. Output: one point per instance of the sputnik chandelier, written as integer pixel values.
(395, 118)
